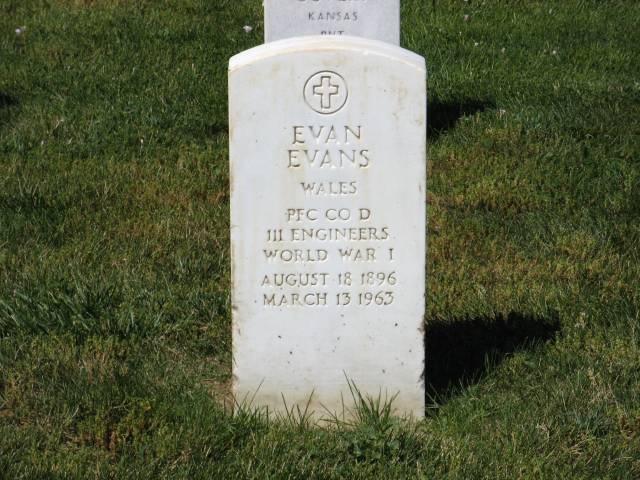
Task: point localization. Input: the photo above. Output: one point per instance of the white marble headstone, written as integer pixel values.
(328, 188)
(376, 19)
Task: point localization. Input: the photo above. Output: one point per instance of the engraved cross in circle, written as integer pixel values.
(326, 90)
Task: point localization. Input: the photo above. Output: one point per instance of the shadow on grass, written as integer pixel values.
(459, 352)
(443, 116)
(6, 101)
(216, 128)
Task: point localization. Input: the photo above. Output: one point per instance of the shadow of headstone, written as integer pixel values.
(443, 116)
(6, 101)
(459, 351)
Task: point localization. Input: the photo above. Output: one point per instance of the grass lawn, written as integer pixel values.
(115, 341)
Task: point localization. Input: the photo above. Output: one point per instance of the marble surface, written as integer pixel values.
(375, 19)
(328, 223)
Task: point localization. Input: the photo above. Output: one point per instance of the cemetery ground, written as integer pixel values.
(115, 341)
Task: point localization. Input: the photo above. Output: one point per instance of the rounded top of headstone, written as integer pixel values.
(319, 43)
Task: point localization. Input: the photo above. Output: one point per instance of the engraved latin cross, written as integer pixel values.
(325, 90)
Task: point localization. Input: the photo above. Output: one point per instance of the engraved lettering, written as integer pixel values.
(293, 159)
(365, 161)
(295, 300)
(358, 254)
(297, 134)
(333, 189)
(349, 130)
(339, 234)
(295, 280)
(327, 134)
(296, 255)
(345, 155)
(274, 235)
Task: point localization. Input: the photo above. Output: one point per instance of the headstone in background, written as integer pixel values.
(376, 19)
(328, 173)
